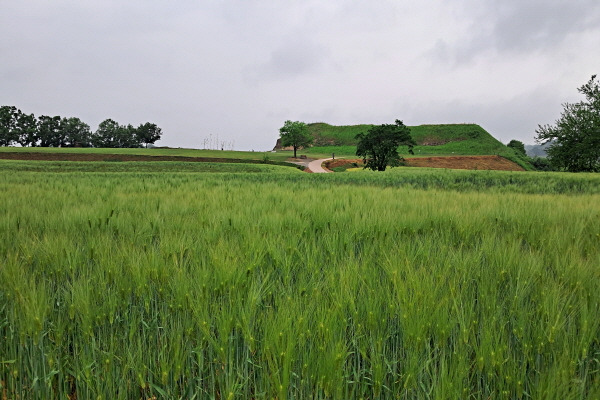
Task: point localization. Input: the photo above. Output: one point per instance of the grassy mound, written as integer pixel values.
(436, 140)
(426, 135)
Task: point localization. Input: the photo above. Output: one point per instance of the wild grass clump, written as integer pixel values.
(289, 285)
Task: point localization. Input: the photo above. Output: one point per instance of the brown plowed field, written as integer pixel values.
(113, 157)
(452, 162)
(465, 162)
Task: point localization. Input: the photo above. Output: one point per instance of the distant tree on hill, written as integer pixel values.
(127, 137)
(76, 133)
(27, 130)
(148, 133)
(46, 131)
(575, 138)
(295, 134)
(518, 146)
(107, 134)
(49, 131)
(111, 134)
(379, 146)
(8, 122)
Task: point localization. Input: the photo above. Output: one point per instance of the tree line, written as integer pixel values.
(27, 130)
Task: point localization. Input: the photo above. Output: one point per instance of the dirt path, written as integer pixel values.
(316, 167)
(300, 161)
(311, 165)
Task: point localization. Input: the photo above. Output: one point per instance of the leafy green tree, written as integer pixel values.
(379, 146)
(575, 138)
(76, 133)
(46, 131)
(518, 146)
(8, 122)
(148, 133)
(295, 134)
(541, 164)
(49, 131)
(127, 137)
(111, 134)
(27, 129)
(107, 134)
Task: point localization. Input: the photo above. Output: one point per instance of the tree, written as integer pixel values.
(27, 130)
(541, 164)
(76, 133)
(111, 134)
(148, 133)
(575, 138)
(379, 146)
(106, 134)
(127, 137)
(8, 122)
(295, 134)
(518, 146)
(49, 131)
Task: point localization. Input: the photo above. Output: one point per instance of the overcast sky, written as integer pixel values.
(237, 70)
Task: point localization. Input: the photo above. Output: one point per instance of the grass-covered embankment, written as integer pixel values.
(432, 140)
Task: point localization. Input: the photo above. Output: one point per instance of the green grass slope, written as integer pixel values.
(432, 140)
(461, 139)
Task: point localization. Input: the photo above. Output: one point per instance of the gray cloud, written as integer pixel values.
(293, 58)
(540, 24)
(238, 69)
(517, 26)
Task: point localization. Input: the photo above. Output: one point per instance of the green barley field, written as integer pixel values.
(191, 281)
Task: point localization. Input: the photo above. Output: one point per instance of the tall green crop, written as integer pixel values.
(179, 284)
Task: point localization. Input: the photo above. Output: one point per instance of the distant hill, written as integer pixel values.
(536, 150)
(460, 139)
(432, 140)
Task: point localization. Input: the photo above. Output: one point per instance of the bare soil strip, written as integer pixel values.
(451, 162)
(115, 157)
(465, 162)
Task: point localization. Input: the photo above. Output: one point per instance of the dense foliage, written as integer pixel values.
(379, 146)
(541, 164)
(26, 130)
(575, 137)
(518, 146)
(295, 134)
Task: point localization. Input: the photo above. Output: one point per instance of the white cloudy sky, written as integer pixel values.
(238, 69)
